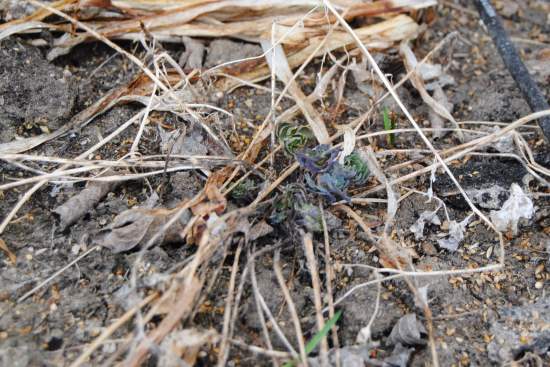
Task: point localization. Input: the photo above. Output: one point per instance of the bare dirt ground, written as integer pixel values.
(480, 318)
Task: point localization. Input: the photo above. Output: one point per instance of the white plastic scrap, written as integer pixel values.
(516, 207)
(425, 217)
(456, 235)
(349, 144)
(421, 300)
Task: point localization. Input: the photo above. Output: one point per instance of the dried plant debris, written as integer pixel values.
(137, 226)
(193, 56)
(181, 348)
(437, 121)
(321, 143)
(456, 234)
(426, 217)
(80, 204)
(408, 331)
(518, 206)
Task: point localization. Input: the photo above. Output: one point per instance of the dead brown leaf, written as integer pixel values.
(138, 226)
(80, 204)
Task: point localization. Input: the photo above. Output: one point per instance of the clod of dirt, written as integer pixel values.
(32, 90)
(400, 356)
(223, 50)
(520, 329)
(360, 356)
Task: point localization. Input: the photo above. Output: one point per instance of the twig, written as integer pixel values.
(56, 274)
(223, 352)
(259, 310)
(315, 282)
(291, 307)
(111, 329)
(329, 270)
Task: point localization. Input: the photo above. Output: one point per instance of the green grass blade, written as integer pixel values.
(310, 346)
(388, 125)
(322, 333)
(387, 119)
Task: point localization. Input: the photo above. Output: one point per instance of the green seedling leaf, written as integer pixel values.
(293, 137)
(354, 163)
(244, 190)
(312, 344)
(389, 125)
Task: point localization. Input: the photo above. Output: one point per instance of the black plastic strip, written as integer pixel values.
(515, 66)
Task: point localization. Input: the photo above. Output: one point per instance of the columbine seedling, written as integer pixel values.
(244, 190)
(357, 165)
(293, 138)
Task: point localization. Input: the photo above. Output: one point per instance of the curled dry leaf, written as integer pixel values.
(408, 331)
(80, 204)
(438, 108)
(212, 206)
(137, 226)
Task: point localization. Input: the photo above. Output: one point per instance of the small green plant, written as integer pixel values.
(310, 346)
(389, 125)
(356, 164)
(285, 204)
(293, 137)
(244, 190)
